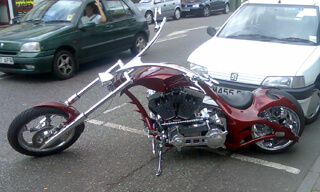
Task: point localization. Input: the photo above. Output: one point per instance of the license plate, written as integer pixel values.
(6, 60)
(226, 91)
(185, 9)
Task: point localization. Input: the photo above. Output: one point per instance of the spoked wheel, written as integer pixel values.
(206, 11)
(282, 116)
(314, 106)
(226, 9)
(139, 43)
(64, 65)
(33, 127)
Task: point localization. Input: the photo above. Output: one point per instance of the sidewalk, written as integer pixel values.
(312, 180)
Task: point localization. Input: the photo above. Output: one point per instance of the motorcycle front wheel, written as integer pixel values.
(33, 127)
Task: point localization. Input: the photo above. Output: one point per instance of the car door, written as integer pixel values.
(123, 24)
(165, 8)
(94, 38)
(214, 5)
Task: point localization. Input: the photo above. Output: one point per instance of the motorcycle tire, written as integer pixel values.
(301, 117)
(31, 128)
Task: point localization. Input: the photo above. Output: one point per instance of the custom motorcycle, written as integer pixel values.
(183, 111)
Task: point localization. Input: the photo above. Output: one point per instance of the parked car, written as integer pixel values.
(204, 7)
(169, 8)
(267, 43)
(52, 38)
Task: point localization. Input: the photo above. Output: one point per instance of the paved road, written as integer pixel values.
(113, 153)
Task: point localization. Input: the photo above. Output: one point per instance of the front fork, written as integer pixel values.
(80, 118)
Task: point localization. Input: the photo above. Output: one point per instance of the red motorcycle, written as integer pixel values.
(185, 111)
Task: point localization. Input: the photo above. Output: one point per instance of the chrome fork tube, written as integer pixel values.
(77, 121)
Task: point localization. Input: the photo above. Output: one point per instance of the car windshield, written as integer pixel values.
(280, 23)
(145, 1)
(53, 11)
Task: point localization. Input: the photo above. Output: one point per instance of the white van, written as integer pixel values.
(267, 43)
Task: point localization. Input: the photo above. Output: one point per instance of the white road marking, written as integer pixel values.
(265, 163)
(108, 111)
(170, 38)
(223, 153)
(185, 31)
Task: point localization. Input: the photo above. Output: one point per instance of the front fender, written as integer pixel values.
(71, 111)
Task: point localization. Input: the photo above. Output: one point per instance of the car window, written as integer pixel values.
(118, 9)
(291, 24)
(50, 11)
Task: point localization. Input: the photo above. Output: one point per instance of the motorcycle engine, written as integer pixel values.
(185, 120)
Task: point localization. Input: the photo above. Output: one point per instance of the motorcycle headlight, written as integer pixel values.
(30, 47)
(196, 5)
(200, 70)
(284, 82)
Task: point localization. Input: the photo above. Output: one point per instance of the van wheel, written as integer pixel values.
(314, 111)
(64, 65)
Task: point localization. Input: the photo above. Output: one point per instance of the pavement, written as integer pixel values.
(311, 182)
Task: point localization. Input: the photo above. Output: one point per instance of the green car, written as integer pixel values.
(52, 37)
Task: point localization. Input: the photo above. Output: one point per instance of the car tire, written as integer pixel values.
(316, 96)
(149, 17)
(206, 11)
(226, 8)
(177, 14)
(64, 65)
(139, 43)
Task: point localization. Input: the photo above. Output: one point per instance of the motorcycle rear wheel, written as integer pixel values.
(33, 127)
(295, 121)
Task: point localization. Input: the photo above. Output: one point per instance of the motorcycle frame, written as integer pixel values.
(162, 77)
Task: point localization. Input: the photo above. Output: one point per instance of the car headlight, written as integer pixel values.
(30, 47)
(200, 70)
(196, 5)
(284, 82)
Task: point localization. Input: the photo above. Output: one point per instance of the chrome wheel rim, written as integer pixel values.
(140, 43)
(65, 64)
(227, 8)
(282, 116)
(37, 131)
(314, 105)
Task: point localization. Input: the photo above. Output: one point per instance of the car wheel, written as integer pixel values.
(226, 9)
(177, 14)
(206, 11)
(139, 43)
(314, 111)
(149, 17)
(64, 65)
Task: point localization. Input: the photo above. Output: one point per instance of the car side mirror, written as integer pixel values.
(211, 31)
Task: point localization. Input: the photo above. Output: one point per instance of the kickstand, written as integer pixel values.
(157, 146)
(159, 171)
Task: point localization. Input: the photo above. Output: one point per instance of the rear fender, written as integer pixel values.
(71, 111)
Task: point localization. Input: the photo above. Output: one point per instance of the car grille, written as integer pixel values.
(242, 77)
(5, 66)
(7, 53)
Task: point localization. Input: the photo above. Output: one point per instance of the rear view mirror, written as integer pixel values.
(211, 31)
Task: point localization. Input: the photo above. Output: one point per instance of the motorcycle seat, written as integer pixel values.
(242, 100)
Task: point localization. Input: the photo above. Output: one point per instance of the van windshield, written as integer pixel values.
(53, 11)
(281, 23)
